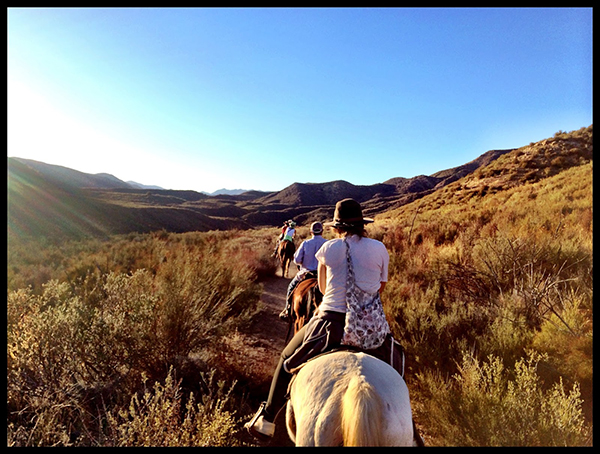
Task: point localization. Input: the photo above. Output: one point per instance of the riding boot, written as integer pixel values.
(285, 313)
(259, 426)
(274, 254)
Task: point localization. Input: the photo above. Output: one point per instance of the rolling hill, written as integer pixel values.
(57, 202)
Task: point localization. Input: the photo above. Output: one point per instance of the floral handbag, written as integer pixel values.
(366, 326)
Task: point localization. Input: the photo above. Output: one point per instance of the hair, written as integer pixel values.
(351, 229)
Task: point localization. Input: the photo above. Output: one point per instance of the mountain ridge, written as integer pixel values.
(49, 200)
(66, 176)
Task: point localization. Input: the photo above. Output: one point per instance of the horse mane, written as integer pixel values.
(300, 292)
(361, 414)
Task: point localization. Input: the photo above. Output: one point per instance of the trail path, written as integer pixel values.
(269, 327)
(265, 339)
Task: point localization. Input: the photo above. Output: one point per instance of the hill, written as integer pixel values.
(142, 186)
(41, 203)
(54, 201)
(524, 165)
(65, 177)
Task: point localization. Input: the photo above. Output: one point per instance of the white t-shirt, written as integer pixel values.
(370, 260)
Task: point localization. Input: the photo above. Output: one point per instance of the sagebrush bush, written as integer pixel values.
(486, 404)
(495, 275)
(199, 297)
(163, 416)
(44, 371)
(79, 347)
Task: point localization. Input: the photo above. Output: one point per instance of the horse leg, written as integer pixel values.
(290, 422)
(282, 262)
(305, 434)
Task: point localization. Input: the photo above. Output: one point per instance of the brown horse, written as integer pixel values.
(305, 300)
(285, 254)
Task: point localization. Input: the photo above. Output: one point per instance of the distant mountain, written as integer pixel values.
(54, 201)
(142, 186)
(63, 176)
(226, 192)
(375, 198)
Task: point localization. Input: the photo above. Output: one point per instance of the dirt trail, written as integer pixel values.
(269, 327)
(265, 338)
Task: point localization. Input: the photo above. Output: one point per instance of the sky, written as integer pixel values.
(259, 98)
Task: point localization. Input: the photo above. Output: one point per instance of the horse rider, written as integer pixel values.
(325, 329)
(288, 234)
(284, 232)
(307, 262)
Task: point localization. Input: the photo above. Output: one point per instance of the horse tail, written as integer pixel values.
(361, 414)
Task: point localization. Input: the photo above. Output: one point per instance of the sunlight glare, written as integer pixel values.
(38, 130)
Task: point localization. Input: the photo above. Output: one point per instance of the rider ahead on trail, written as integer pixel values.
(288, 230)
(305, 258)
(326, 329)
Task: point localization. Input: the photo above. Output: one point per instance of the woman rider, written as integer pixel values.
(325, 330)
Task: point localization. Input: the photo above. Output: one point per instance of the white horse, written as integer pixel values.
(349, 399)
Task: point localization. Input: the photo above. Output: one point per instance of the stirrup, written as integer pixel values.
(258, 426)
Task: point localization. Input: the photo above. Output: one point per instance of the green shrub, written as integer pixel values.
(163, 417)
(79, 347)
(488, 405)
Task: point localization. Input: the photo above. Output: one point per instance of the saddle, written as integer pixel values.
(390, 352)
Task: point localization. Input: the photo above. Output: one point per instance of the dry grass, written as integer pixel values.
(496, 274)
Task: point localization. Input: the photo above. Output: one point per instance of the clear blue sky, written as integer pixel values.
(201, 99)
